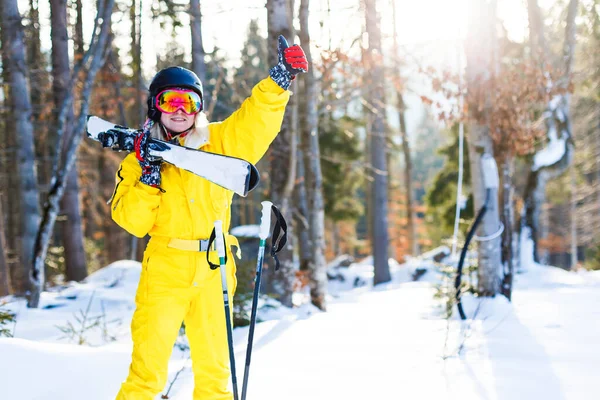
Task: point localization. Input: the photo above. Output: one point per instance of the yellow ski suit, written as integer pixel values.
(178, 285)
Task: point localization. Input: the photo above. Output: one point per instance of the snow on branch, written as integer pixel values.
(558, 134)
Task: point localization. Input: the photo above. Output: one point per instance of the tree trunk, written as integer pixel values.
(37, 84)
(336, 238)
(411, 228)
(4, 274)
(198, 64)
(78, 34)
(568, 52)
(597, 146)
(282, 155)
(72, 230)
(537, 40)
(97, 51)
(136, 56)
(413, 237)
(480, 48)
(569, 46)
(573, 184)
(115, 236)
(72, 233)
(507, 235)
(378, 145)
(558, 131)
(19, 99)
(9, 169)
(120, 245)
(301, 218)
(314, 178)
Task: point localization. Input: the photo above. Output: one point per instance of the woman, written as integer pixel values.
(178, 209)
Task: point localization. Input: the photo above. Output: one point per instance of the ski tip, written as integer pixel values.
(253, 179)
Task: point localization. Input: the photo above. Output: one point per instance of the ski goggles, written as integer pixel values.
(171, 100)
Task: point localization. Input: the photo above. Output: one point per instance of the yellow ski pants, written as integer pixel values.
(178, 286)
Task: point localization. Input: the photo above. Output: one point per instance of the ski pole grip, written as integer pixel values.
(219, 238)
(265, 220)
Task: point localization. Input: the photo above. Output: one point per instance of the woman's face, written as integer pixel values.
(178, 121)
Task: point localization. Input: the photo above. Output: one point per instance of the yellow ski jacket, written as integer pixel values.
(190, 204)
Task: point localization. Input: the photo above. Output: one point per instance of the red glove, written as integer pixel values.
(292, 61)
(294, 58)
(140, 144)
(150, 167)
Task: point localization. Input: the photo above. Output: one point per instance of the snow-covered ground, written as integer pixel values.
(391, 342)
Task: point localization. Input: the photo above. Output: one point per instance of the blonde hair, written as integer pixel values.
(198, 136)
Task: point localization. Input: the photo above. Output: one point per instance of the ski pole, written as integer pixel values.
(265, 224)
(222, 262)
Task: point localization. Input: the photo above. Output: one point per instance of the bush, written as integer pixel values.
(445, 291)
(592, 258)
(5, 319)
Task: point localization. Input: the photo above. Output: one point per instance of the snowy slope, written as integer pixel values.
(390, 342)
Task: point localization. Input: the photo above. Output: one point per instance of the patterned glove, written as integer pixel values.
(292, 61)
(150, 167)
(119, 138)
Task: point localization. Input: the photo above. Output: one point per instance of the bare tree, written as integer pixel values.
(9, 175)
(314, 178)
(91, 62)
(378, 144)
(301, 214)
(20, 103)
(4, 274)
(282, 153)
(38, 79)
(72, 233)
(198, 64)
(480, 51)
(137, 244)
(573, 214)
(401, 107)
(545, 165)
(135, 12)
(78, 31)
(114, 235)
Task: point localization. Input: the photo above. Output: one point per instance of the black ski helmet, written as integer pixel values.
(168, 78)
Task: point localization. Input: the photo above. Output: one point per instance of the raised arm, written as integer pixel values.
(249, 131)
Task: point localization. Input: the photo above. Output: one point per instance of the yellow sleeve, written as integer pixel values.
(249, 131)
(134, 205)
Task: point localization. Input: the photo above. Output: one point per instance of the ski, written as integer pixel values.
(231, 173)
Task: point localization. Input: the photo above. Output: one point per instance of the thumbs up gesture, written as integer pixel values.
(292, 61)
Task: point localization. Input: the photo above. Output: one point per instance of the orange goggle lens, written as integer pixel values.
(171, 100)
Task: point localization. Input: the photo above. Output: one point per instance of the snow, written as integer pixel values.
(391, 341)
(552, 153)
(246, 231)
(556, 147)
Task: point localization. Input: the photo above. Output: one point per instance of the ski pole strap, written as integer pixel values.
(212, 238)
(277, 242)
